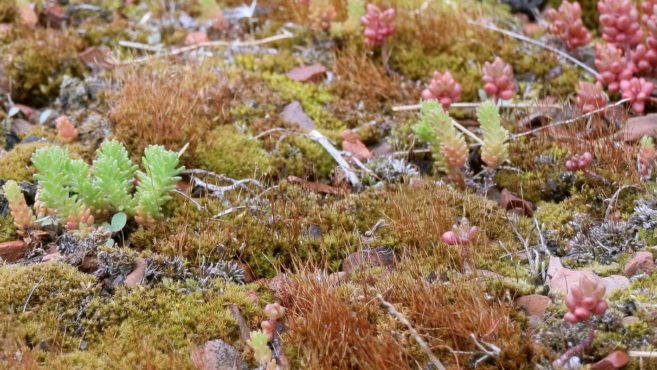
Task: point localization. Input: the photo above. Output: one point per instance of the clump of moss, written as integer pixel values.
(166, 104)
(66, 322)
(36, 64)
(166, 321)
(17, 164)
(299, 156)
(313, 99)
(280, 62)
(187, 232)
(225, 151)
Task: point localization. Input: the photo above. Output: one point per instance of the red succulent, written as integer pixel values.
(378, 25)
(620, 22)
(638, 90)
(566, 24)
(461, 234)
(613, 66)
(442, 88)
(498, 79)
(579, 162)
(644, 58)
(584, 300)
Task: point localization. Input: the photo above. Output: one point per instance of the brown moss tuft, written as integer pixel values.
(165, 104)
(36, 64)
(328, 331)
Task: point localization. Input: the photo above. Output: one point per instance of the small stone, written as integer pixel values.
(368, 258)
(217, 355)
(641, 262)
(313, 73)
(280, 286)
(293, 113)
(13, 250)
(137, 275)
(535, 304)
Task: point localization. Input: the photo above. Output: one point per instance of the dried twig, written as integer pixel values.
(473, 105)
(401, 318)
(572, 120)
(326, 144)
(198, 205)
(520, 37)
(614, 199)
(209, 44)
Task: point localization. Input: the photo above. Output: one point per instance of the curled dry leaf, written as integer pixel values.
(613, 361)
(511, 202)
(13, 250)
(638, 127)
(351, 143)
(313, 73)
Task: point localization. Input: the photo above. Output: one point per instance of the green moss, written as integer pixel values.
(62, 316)
(187, 232)
(225, 151)
(7, 229)
(17, 165)
(281, 62)
(36, 65)
(303, 157)
(313, 98)
(168, 322)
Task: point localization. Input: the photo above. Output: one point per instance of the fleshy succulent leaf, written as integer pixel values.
(161, 170)
(114, 173)
(494, 151)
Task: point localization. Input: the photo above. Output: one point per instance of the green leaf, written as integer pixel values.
(118, 222)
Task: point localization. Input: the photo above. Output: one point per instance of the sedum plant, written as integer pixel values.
(495, 150)
(73, 192)
(162, 170)
(449, 147)
(24, 219)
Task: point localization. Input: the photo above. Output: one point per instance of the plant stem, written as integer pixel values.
(577, 349)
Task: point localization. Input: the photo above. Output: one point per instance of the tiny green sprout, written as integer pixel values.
(261, 351)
